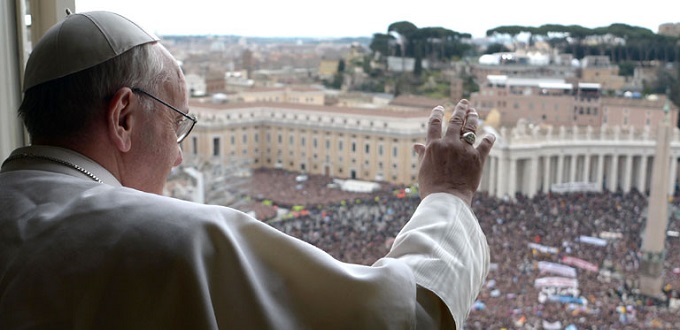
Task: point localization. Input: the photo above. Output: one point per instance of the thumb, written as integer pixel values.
(419, 148)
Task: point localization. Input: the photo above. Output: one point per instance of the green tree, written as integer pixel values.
(496, 48)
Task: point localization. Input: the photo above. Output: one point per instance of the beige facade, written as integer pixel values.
(564, 71)
(372, 145)
(558, 103)
(670, 29)
(328, 68)
(599, 70)
(283, 94)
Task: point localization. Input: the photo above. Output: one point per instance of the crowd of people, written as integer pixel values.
(359, 228)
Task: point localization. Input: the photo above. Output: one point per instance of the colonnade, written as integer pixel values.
(532, 160)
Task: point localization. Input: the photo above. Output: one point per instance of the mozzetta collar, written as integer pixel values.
(42, 161)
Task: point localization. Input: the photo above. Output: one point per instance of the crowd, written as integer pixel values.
(522, 234)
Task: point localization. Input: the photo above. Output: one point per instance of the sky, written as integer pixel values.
(363, 18)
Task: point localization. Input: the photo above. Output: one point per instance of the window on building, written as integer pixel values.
(194, 145)
(367, 148)
(216, 146)
(354, 146)
(395, 151)
(340, 145)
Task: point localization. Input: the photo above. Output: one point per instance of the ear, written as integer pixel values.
(120, 119)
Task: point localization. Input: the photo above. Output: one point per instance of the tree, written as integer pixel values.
(380, 44)
(496, 48)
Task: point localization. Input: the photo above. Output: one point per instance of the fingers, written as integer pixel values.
(484, 147)
(457, 119)
(471, 121)
(434, 125)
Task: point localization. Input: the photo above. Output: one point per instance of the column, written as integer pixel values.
(560, 168)
(572, 167)
(493, 164)
(502, 181)
(533, 178)
(642, 178)
(600, 171)
(613, 178)
(512, 180)
(628, 172)
(586, 167)
(546, 173)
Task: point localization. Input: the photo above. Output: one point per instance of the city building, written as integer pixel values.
(599, 70)
(557, 102)
(376, 145)
(670, 29)
(363, 144)
(304, 95)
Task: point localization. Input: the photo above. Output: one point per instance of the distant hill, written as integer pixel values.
(275, 40)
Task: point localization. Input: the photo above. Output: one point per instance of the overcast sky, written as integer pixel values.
(355, 18)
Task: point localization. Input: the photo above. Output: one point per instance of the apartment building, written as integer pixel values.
(556, 102)
(670, 29)
(599, 70)
(350, 143)
(304, 95)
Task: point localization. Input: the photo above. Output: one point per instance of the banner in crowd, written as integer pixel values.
(592, 240)
(555, 268)
(552, 291)
(547, 325)
(573, 187)
(674, 304)
(568, 299)
(610, 235)
(580, 263)
(543, 248)
(556, 282)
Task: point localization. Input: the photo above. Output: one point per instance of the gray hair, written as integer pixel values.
(64, 107)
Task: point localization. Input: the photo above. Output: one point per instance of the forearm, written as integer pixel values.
(446, 249)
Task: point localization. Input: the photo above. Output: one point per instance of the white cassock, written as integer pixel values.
(77, 254)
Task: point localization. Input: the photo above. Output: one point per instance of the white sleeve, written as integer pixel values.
(446, 249)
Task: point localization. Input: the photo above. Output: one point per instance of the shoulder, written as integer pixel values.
(146, 221)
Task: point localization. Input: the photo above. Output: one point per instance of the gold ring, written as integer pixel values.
(470, 137)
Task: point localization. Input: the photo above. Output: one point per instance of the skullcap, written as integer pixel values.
(79, 42)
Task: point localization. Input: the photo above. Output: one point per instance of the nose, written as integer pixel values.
(179, 156)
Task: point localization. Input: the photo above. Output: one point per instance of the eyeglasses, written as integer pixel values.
(185, 125)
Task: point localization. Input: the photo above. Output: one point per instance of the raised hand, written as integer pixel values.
(451, 163)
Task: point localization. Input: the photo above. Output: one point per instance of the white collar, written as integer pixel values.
(42, 161)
